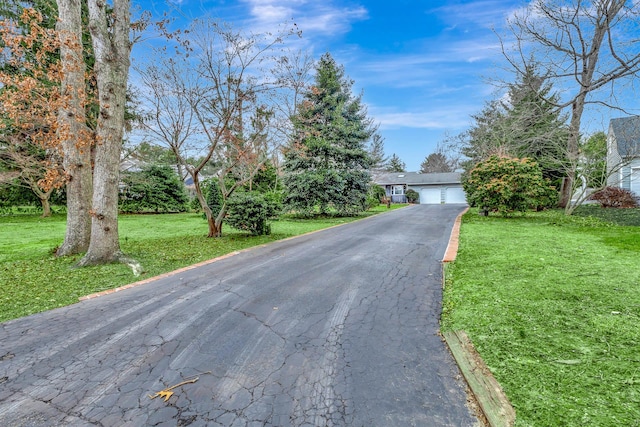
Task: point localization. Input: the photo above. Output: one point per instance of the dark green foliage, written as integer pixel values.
(251, 210)
(154, 189)
(594, 166)
(14, 193)
(377, 192)
(375, 195)
(527, 125)
(537, 129)
(266, 180)
(211, 190)
(326, 163)
(412, 196)
(630, 217)
(505, 185)
(614, 197)
(212, 194)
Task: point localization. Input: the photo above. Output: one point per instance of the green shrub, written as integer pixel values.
(154, 189)
(377, 192)
(505, 185)
(250, 211)
(412, 196)
(212, 194)
(375, 195)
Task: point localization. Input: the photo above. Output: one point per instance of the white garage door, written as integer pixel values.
(455, 195)
(431, 196)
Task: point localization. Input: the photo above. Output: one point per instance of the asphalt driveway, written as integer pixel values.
(336, 328)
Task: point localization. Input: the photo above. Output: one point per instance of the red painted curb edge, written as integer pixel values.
(452, 247)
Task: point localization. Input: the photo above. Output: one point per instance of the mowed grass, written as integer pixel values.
(32, 279)
(552, 303)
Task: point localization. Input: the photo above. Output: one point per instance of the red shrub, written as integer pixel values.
(614, 197)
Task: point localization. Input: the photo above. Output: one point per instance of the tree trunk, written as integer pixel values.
(215, 229)
(217, 225)
(573, 150)
(46, 207)
(73, 132)
(111, 47)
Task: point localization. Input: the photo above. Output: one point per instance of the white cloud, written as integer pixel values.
(481, 13)
(318, 18)
(438, 118)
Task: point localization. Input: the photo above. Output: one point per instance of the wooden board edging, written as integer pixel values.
(490, 396)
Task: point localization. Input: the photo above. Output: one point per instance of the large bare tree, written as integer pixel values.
(584, 47)
(73, 133)
(109, 25)
(212, 103)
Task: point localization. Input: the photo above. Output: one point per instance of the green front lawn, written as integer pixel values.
(552, 303)
(34, 280)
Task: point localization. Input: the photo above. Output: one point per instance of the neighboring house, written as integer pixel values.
(623, 153)
(433, 188)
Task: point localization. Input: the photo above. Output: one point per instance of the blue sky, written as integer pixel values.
(422, 66)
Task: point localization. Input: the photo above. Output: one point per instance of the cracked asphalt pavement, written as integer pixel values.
(335, 328)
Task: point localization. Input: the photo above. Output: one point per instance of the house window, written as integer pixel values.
(397, 190)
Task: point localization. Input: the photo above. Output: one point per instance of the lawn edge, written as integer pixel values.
(212, 260)
(454, 239)
(487, 392)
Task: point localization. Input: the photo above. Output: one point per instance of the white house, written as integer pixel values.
(433, 188)
(623, 153)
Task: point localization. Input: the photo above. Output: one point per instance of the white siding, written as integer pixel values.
(634, 178)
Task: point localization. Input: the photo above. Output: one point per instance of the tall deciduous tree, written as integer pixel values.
(212, 103)
(109, 28)
(326, 162)
(584, 46)
(74, 135)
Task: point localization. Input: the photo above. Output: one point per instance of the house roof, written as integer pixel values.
(627, 134)
(415, 178)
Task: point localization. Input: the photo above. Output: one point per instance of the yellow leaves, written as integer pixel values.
(167, 393)
(164, 393)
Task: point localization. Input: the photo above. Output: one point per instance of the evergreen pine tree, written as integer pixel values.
(326, 162)
(378, 160)
(538, 129)
(435, 163)
(395, 164)
(526, 124)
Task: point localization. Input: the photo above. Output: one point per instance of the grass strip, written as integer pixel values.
(32, 279)
(552, 304)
